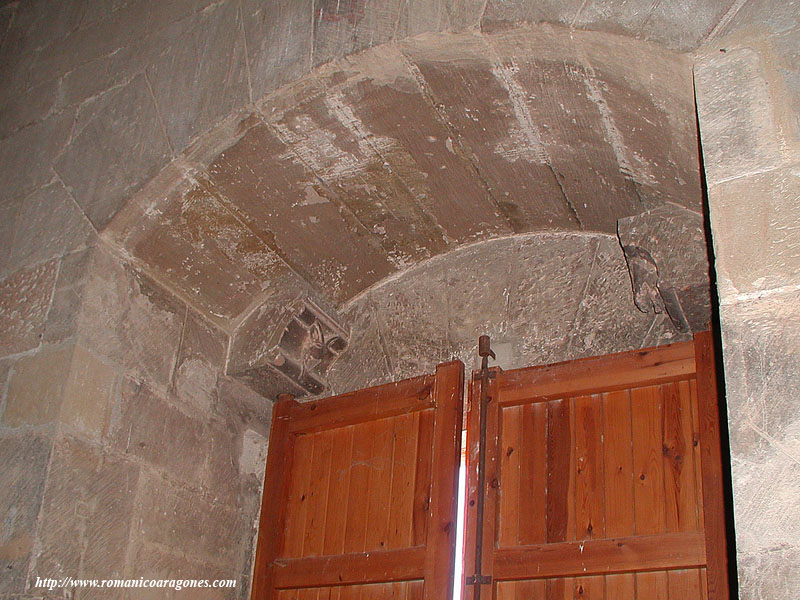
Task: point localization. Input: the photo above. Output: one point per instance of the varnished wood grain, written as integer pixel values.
(590, 557)
(711, 464)
(598, 374)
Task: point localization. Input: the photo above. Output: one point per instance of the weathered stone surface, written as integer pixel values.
(548, 279)
(27, 155)
(129, 320)
(238, 447)
(572, 105)
(279, 42)
(342, 28)
(275, 194)
(22, 481)
(479, 286)
(327, 136)
(88, 394)
(368, 365)
(762, 351)
(674, 238)
(202, 77)
(676, 25)
(86, 512)
(35, 391)
(25, 299)
(120, 146)
(737, 129)
(201, 360)
(191, 240)
(607, 320)
(154, 561)
(496, 128)
(182, 519)
(758, 247)
(408, 306)
(416, 147)
(49, 224)
(769, 574)
(64, 315)
(147, 426)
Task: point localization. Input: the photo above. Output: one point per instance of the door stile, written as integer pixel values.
(711, 467)
(273, 507)
(448, 397)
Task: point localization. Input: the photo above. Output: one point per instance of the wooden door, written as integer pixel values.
(603, 479)
(360, 493)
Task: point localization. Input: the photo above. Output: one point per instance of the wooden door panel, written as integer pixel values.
(360, 493)
(681, 584)
(595, 478)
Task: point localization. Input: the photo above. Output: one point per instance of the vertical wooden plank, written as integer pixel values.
(679, 476)
(622, 586)
(317, 495)
(698, 468)
(448, 393)
(562, 588)
(684, 584)
(533, 589)
(589, 496)
(404, 459)
(510, 446)
(560, 472)
(648, 461)
(591, 588)
(380, 485)
(338, 497)
(273, 506)
(618, 463)
(298, 494)
(533, 475)
(422, 480)
(704, 584)
(494, 436)
(358, 492)
(415, 590)
(651, 586)
(711, 464)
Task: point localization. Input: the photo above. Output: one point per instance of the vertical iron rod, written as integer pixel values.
(484, 351)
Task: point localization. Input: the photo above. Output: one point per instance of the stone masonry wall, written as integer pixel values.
(125, 451)
(541, 297)
(748, 97)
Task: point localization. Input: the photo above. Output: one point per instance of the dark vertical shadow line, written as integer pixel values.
(730, 532)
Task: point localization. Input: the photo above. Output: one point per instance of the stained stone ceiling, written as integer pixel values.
(378, 161)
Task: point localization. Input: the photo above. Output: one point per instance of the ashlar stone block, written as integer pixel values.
(757, 244)
(25, 298)
(35, 391)
(737, 128)
(86, 513)
(22, 481)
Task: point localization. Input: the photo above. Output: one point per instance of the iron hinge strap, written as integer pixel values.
(479, 579)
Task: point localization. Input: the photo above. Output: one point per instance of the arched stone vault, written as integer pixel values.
(376, 162)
